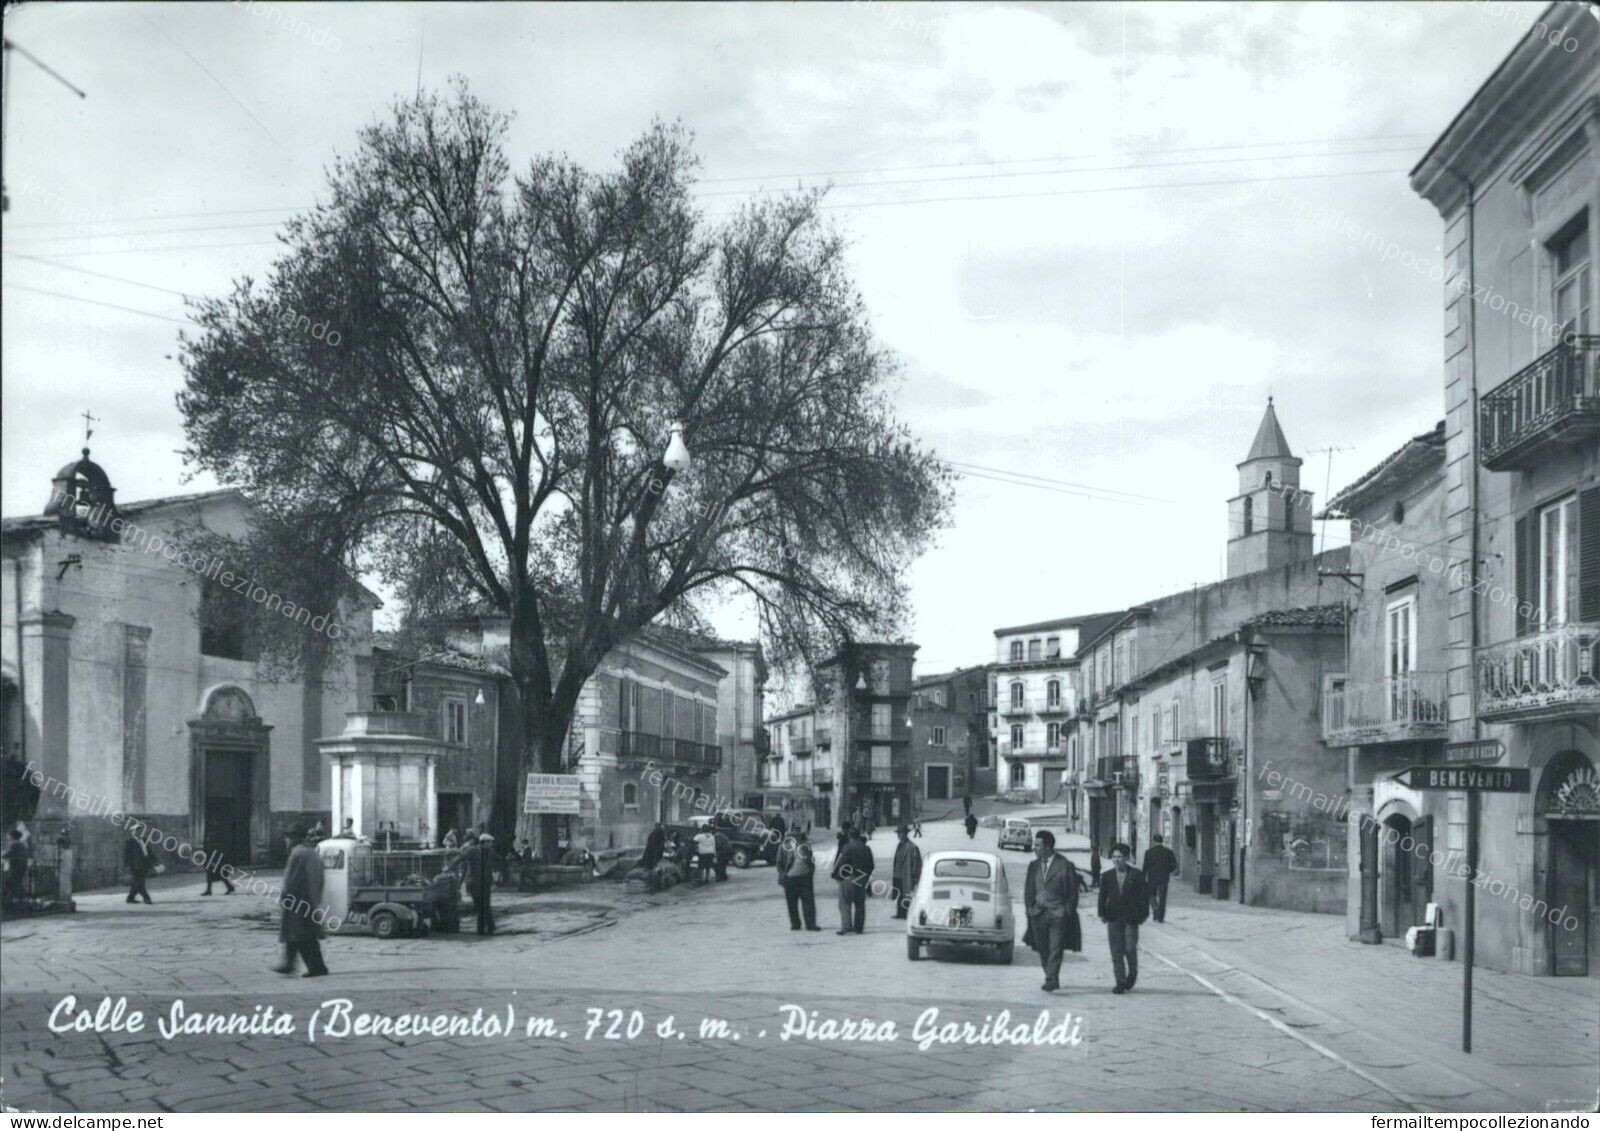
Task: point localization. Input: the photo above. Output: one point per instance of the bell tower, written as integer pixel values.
(1269, 520)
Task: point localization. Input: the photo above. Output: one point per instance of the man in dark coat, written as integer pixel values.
(1124, 904)
(214, 869)
(778, 824)
(301, 900)
(140, 860)
(654, 845)
(966, 803)
(1050, 898)
(972, 826)
(480, 871)
(907, 872)
(853, 871)
(1159, 866)
(797, 869)
(17, 857)
(724, 853)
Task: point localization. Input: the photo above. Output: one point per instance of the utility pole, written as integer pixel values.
(1327, 485)
(5, 104)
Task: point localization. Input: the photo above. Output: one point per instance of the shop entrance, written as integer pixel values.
(1394, 876)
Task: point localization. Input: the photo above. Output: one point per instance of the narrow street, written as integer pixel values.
(1234, 1010)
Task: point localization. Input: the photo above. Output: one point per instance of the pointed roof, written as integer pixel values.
(1269, 443)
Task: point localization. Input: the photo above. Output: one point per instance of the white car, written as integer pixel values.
(963, 899)
(1017, 832)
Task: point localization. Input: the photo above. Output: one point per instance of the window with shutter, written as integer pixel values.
(1525, 575)
(1589, 555)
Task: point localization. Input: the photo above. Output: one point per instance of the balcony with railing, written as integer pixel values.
(1401, 708)
(1555, 400)
(880, 775)
(824, 736)
(1120, 769)
(1208, 757)
(1550, 674)
(1036, 751)
(636, 744)
(1035, 705)
(800, 746)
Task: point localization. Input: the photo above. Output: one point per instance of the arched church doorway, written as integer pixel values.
(1569, 801)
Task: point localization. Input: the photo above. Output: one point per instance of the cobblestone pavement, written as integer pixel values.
(1236, 1009)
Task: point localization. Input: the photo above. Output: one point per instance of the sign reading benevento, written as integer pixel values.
(552, 793)
(1483, 779)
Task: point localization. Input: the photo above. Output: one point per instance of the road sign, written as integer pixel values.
(1487, 751)
(552, 793)
(1473, 779)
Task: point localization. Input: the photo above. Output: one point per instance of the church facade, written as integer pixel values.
(119, 701)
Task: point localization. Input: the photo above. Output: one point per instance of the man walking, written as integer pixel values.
(480, 868)
(1050, 897)
(966, 802)
(907, 871)
(853, 871)
(140, 862)
(301, 926)
(972, 826)
(797, 869)
(215, 870)
(1124, 904)
(1159, 866)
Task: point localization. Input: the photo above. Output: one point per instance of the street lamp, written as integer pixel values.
(677, 455)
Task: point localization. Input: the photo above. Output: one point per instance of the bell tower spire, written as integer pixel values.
(1269, 520)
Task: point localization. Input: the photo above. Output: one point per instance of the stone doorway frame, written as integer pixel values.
(228, 722)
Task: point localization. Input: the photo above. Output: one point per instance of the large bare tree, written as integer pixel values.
(477, 372)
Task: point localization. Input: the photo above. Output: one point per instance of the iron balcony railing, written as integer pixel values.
(880, 775)
(1555, 399)
(800, 746)
(1550, 674)
(1035, 749)
(1036, 705)
(1400, 708)
(1208, 757)
(636, 744)
(824, 736)
(1116, 768)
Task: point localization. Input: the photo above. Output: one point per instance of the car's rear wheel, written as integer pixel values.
(1007, 950)
(385, 924)
(741, 858)
(913, 948)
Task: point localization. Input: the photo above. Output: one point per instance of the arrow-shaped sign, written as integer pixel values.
(1480, 779)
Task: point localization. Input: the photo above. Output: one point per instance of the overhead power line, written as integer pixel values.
(1065, 157)
(1075, 172)
(96, 274)
(97, 302)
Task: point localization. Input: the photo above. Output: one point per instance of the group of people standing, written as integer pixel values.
(705, 853)
(853, 868)
(1126, 898)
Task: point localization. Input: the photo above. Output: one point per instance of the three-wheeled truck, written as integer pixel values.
(405, 891)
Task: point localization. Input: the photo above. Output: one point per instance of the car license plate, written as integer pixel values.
(961, 916)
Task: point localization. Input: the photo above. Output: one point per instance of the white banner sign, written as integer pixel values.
(552, 793)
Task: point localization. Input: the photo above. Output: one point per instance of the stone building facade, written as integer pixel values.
(116, 691)
(1516, 181)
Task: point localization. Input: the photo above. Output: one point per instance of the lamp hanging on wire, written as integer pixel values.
(677, 455)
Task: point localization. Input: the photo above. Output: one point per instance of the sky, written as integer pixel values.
(1096, 237)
